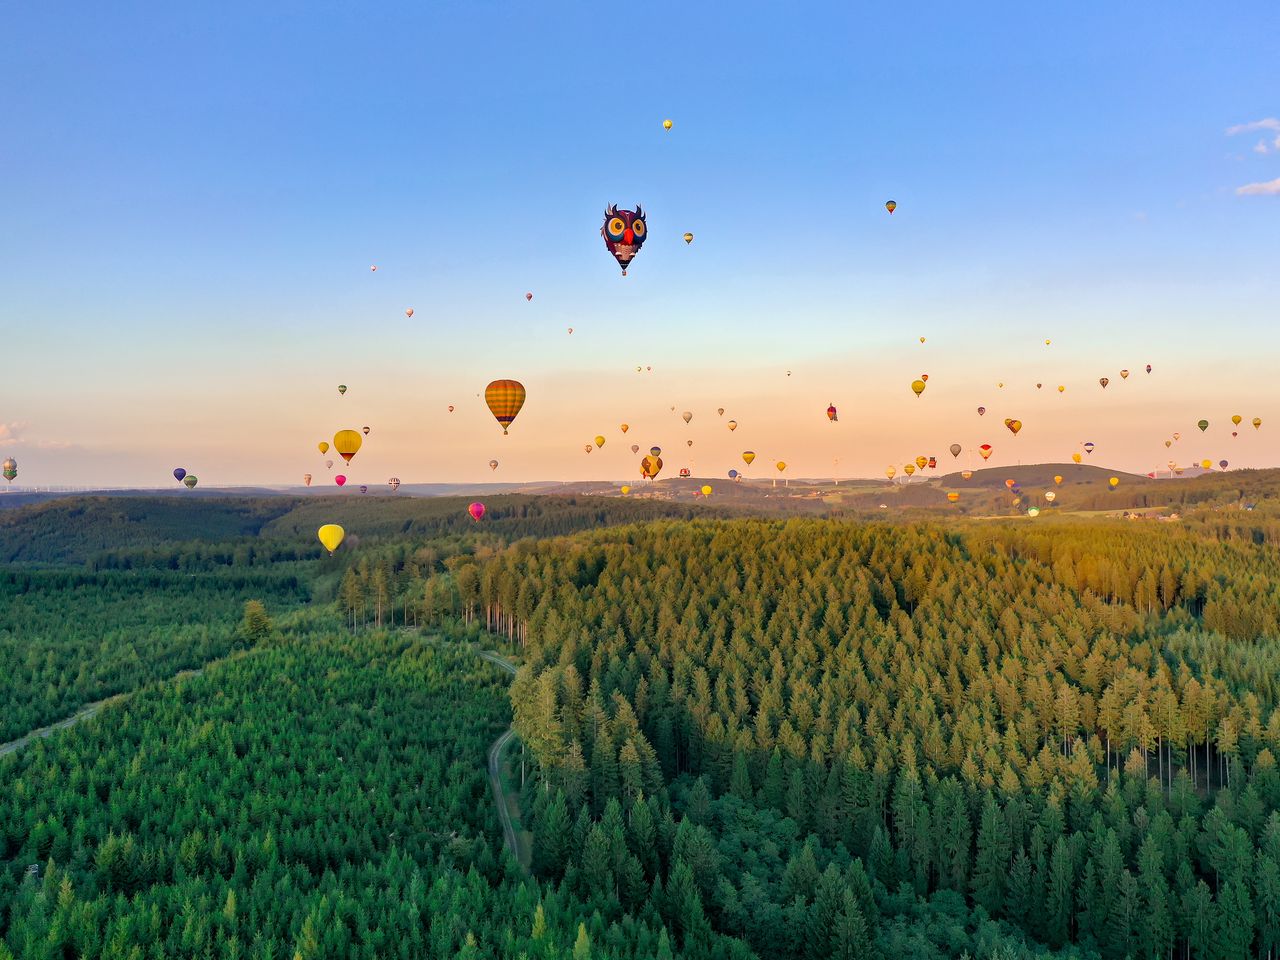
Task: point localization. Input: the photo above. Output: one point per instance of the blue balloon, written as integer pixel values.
(179, 474)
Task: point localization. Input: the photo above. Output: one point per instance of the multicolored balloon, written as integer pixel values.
(624, 233)
(188, 481)
(306, 479)
(505, 399)
(892, 205)
(985, 451)
(342, 389)
(831, 413)
(10, 469)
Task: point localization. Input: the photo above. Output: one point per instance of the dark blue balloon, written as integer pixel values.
(179, 474)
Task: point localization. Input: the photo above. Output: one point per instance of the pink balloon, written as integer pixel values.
(339, 479)
(476, 510)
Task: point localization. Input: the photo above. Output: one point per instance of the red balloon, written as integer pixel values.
(339, 479)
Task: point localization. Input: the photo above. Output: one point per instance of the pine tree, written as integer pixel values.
(992, 867)
(582, 946)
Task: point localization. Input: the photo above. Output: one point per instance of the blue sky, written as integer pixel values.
(192, 197)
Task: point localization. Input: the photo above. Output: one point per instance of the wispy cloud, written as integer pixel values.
(1260, 147)
(11, 431)
(1269, 189)
(1270, 123)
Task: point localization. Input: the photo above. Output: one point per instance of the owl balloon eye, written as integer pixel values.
(637, 227)
(616, 228)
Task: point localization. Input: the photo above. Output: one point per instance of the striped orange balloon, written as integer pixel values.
(505, 398)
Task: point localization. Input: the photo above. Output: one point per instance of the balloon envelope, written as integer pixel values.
(706, 490)
(505, 398)
(178, 474)
(323, 446)
(331, 535)
(917, 387)
(190, 482)
(340, 480)
(748, 456)
(347, 443)
(476, 510)
(955, 449)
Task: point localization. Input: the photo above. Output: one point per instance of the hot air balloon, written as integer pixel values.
(1124, 374)
(1115, 482)
(917, 387)
(1047, 342)
(178, 474)
(409, 312)
(624, 234)
(1088, 446)
(188, 481)
(966, 474)
(587, 448)
(323, 446)
(953, 496)
(982, 411)
(1058, 480)
(921, 461)
(1236, 418)
(890, 471)
(528, 296)
(635, 448)
(1061, 388)
(748, 456)
(733, 474)
(667, 124)
(1168, 443)
(955, 449)
(1223, 464)
(1257, 422)
(706, 489)
(1178, 436)
(1104, 381)
(1011, 483)
(924, 377)
(1014, 426)
(781, 465)
(892, 205)
(365, 431)
(1148, 368)
(1050, 496)
(650, 467)
(655, 451)
(909, 468)
(1039, 385)
(599, 441)
(686, 416)
(331, 536)
(505, 398)
(347, 443)
(328, 464)
(985, 451)
(342, 389)
(732, 425)
(10, 468)
(493, 464)
(625, 490)
(1033, 512)
(831, 412)
(1076, 457)
(571, 331)
(624, 428)
(933, 463)
(688, 238)
(476, 510)
(1203, 425)
(306, 478)
(340, 480)
(688, 443)
(364, 488)
(720, 411)
(451, 408)
(373, 268)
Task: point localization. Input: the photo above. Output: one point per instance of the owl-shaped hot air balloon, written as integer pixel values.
(624, 232)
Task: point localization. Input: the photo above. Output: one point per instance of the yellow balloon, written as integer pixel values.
(1115, 481)
(706, 490)
(324, 446)
(1061, 388)
(1206, 464)
(781, 466)
(921, 461)
(347, 443)
(625, 428)
(1057, 479)
(688, 238)
(1076, 457)
(917, 386)
(909, 468)
(953, 496)
(748, 456)
(1236, 419)
(625, 491)
(733, 425)
(331, 535)
(599, 441)
(890, 472)
(667, 124)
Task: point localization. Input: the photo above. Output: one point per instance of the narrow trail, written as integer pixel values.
(83, 714)
(495, 765)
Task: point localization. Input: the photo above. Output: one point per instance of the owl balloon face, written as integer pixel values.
(624, 232)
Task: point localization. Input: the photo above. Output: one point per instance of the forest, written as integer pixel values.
(737, 736)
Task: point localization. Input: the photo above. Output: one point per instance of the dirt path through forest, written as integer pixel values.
(495, 765)
(84, 714)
